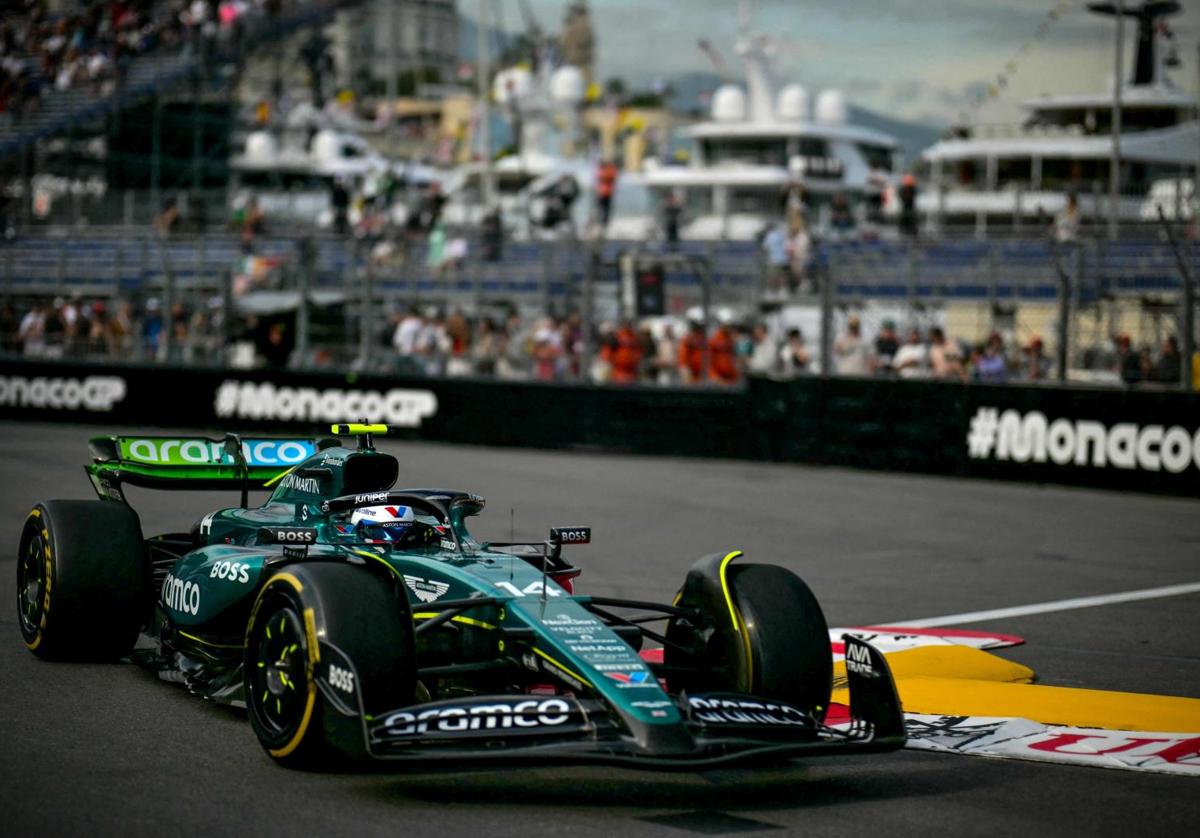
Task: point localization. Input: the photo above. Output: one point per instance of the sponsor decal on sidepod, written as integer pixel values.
(180, 595)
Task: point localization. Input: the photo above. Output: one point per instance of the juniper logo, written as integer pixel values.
(1032, 437)
(250, 400)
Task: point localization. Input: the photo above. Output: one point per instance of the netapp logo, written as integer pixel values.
(1032, 437)
(97, 393)
(493, 715)
(247, 400)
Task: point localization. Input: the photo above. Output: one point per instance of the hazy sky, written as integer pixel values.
(912, 59)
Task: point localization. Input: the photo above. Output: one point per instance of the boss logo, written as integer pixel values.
(288, 535)
(571, 535)
(343, 679)
(233, 571)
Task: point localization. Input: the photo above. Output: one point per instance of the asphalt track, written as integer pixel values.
(91, 749)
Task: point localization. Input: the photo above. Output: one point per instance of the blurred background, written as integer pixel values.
(666, 194)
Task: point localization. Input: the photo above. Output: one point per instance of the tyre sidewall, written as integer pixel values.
(364, 616)
(96, 585)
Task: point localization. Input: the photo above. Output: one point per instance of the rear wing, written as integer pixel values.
(186, 462)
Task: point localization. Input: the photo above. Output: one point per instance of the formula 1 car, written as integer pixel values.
(357, 621)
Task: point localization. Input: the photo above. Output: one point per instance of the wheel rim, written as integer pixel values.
(31, 584)
(279, 677)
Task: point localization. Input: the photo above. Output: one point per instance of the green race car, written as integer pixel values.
(354, 621)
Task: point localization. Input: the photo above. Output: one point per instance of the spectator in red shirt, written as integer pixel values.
(723, 366)
(692, 350)
(627, 353)
(606, 185)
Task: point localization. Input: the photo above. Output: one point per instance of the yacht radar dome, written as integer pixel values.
(729, 104)
(831, 107)
(326, 146)
(793, 103)
(261, 147)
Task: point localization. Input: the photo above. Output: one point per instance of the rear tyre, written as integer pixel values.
(781, 650)
(82, 580)
(299, 612)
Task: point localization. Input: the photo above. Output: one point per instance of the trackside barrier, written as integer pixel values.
(1118, 439)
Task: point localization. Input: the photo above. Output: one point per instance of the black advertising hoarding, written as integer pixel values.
(1140, 439)
(1118, 439)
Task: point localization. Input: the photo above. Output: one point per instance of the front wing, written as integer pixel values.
(717, 729)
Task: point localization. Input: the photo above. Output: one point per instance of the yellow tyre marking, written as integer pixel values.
(735, 617)
(310, 631)
(41, 630)
(314, 655)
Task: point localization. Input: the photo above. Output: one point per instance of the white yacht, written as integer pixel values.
(542, 107)
(1006, 178)
(765, 136)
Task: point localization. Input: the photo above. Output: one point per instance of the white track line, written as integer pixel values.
(1047, 607)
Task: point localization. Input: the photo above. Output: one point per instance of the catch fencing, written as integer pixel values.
(1074, 298)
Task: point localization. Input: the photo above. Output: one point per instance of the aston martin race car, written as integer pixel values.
(355, 621)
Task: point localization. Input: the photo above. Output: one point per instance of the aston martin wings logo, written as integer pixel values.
(427, 590)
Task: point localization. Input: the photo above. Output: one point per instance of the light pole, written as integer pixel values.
(483, 80)
(1114, 173)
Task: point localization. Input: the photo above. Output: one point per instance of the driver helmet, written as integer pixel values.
(392, 525)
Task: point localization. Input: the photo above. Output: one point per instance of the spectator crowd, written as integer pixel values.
(657, 351)
(58, 46)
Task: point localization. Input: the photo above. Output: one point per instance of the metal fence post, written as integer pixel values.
(706, 307)
(307, 262)
(1064, 318)
(199, 282)
(588, 349)
(226, 314)
(547, 267)
(827, 323)
(1188, 319)
(366, 320)
(165, 336)
(993, 288)
(912, 285)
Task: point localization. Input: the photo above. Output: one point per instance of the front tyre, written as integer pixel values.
(761, 633)
(324, 643)
(82, 580)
